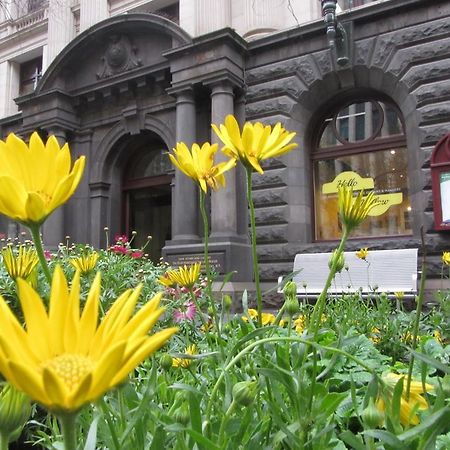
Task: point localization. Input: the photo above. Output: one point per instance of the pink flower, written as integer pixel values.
(119, 249)
(48, 255)
(188, 314)
(137, 254)
(120, 239)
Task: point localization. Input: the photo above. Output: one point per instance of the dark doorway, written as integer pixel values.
(147, 197)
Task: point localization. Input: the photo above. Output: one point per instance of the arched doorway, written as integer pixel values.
(146, 193)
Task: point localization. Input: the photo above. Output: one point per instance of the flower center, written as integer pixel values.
(46, 197)
(70, 368)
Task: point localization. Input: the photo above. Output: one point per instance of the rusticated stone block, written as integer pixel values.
(436, 112)
(270, 178)
(435, 71)
(267, 197)
(272, 215)
(290, 85)
(411, 56)
(363, 50)
(389, 41)
(279, 251)
(428, 92)
(271, 233)
(270, 272)
(433, 133)
(278, 105)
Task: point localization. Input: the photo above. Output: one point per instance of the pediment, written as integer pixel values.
(125, 46)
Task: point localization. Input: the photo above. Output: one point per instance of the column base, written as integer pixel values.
(224, 257)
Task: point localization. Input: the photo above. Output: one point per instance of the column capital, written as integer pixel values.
(183, 94)
(223, 83)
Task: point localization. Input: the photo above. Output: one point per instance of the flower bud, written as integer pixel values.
(291, 306)
(182, 415)
(15, 410)
(244, 392)
(290, 289)
(165, 361)
(337, 259)
(371, 416)
(227, 302)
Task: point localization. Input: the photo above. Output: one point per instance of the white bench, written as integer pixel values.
(386, 271)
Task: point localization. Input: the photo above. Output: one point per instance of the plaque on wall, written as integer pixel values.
(216, 260)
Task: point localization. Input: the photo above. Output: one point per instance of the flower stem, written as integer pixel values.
(40, 251)
(4, 441)
(225, 420)
(418, 314)
(253, 240)
(320, 304)
(69, 430)
(208, 269)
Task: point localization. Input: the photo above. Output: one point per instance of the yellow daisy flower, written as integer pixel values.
(416, 400)
(35, 179)
(85, 263)
(446, 258)
(256, 143)
(185, 362)
(184, 276)
(266, 318)
(362, 253)
(354, 210)
(198, 164)
(21, 265)
(63, 359)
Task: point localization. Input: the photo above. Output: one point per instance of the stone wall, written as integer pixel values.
(400, 50)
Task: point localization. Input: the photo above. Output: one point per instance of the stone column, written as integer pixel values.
(9, 80)
(185, 201)
(53, 229)
(60, 28)
(241, 182)
(260, 17)
(211, 15)
(91, 12)
(223, 201)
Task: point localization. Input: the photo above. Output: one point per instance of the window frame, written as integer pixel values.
(346, 148)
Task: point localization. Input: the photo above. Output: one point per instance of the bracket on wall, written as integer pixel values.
(338, 34)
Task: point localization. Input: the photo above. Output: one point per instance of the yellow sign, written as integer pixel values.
(348, 179)
(384, 202)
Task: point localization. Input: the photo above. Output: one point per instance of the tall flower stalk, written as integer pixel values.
(198, 164)
(251, 207)
(353, 210)
(256, 143)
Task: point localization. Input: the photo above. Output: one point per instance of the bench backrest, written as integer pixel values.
(388, 270)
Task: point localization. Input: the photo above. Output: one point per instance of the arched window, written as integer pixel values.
(362, 144)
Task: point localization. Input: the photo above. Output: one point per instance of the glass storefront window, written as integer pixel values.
(362, 144)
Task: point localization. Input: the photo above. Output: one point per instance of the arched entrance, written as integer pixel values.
(146, 193)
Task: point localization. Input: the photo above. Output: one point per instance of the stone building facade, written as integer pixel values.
(129, 86)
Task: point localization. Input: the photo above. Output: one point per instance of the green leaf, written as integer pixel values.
(431, 361)
(435, 422)
(159, 438)
(91, 439)
(354, 441)
(386, 437)
(202, 441)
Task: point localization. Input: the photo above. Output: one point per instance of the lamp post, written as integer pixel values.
(336, 33)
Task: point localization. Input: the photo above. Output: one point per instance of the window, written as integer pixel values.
(30, 74)
(34, 5)
(349, 4)
(362, 145)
